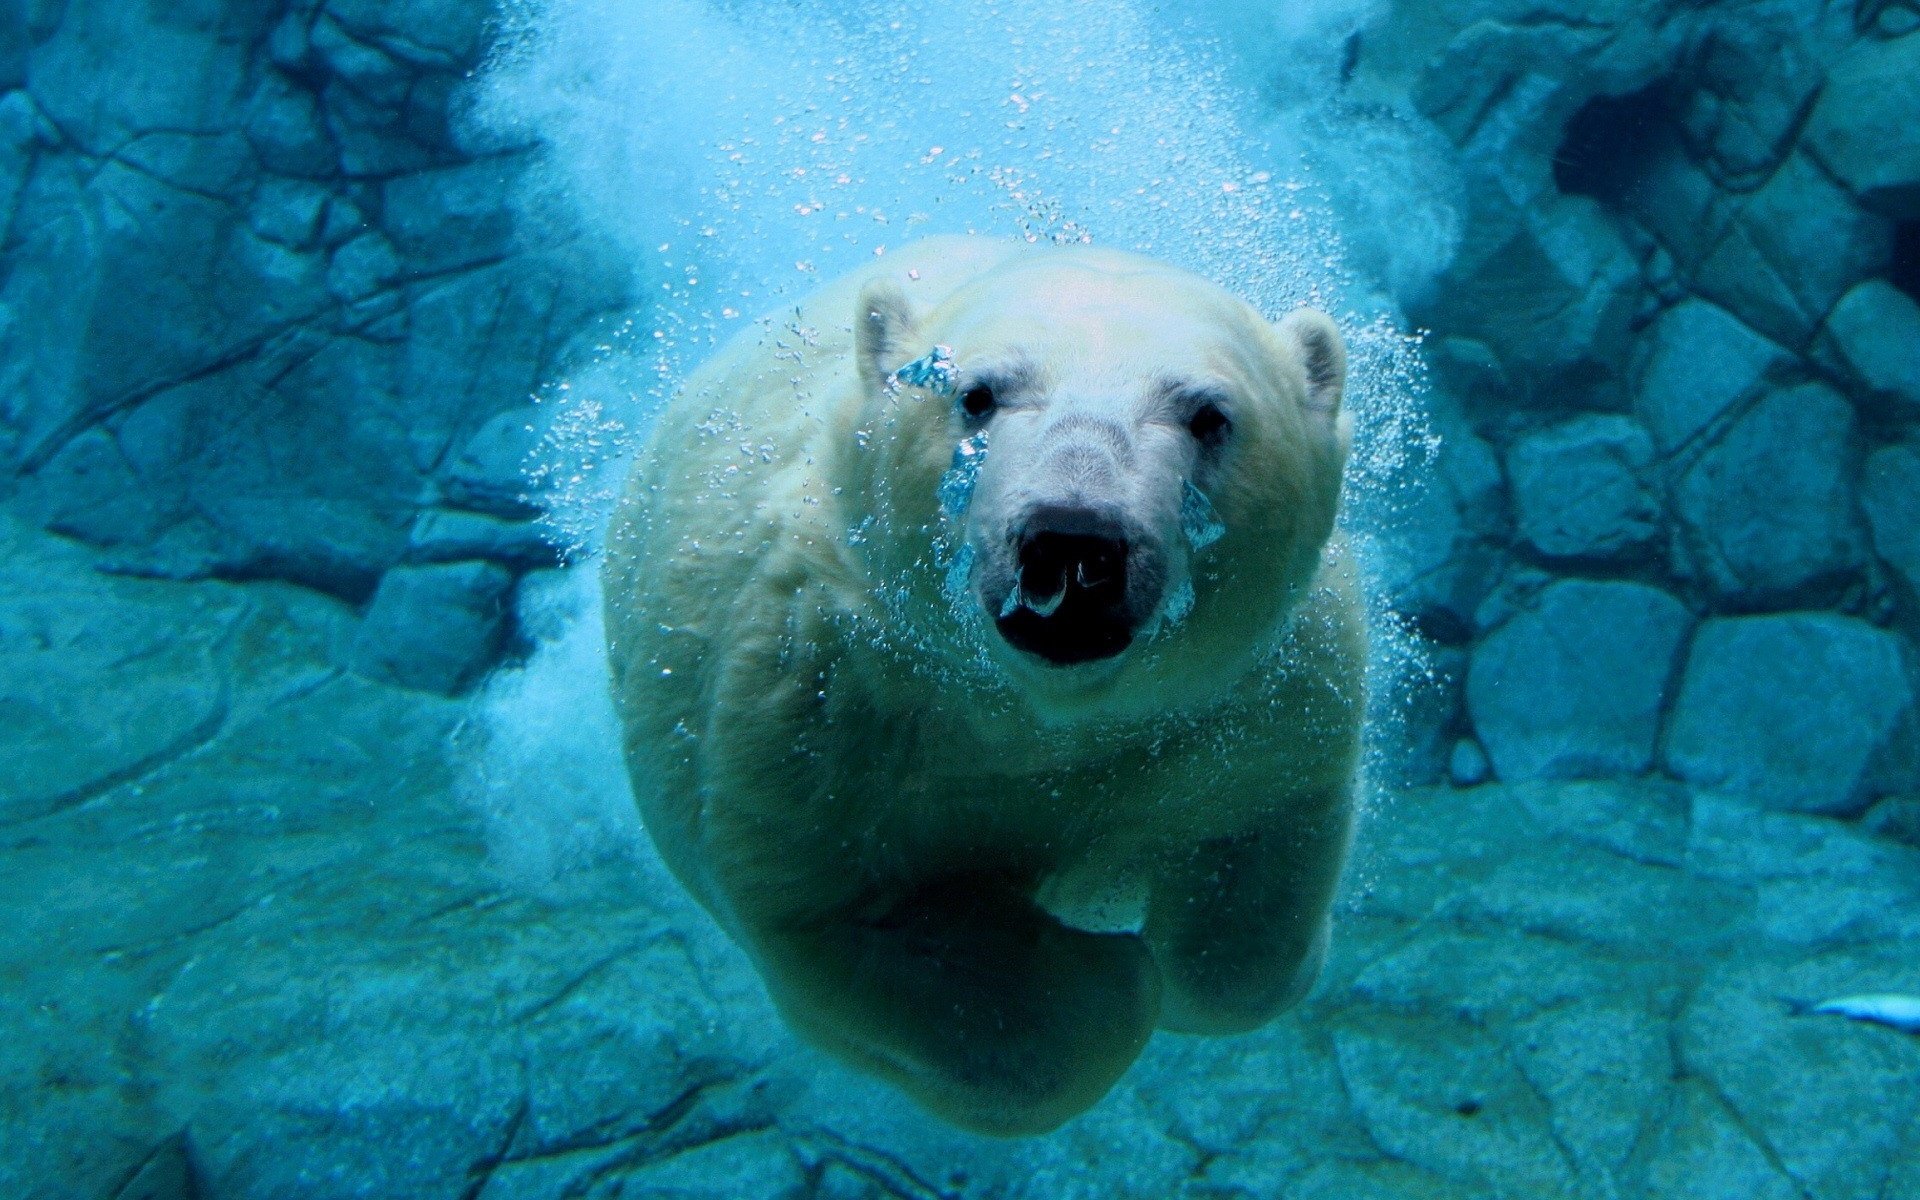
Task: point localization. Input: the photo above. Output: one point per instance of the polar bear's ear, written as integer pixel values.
(882, 331)
(1312, 336)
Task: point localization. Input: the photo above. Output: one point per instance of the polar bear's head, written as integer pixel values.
(1133, 471)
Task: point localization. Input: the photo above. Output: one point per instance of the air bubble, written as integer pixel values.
(959, 583)
(1179, 602)
(956, 486)
(1198, 518)
(933, 371)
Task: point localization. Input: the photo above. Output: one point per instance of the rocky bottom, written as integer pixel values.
(256, 947)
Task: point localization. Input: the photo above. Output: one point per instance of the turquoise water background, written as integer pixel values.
(326, 327)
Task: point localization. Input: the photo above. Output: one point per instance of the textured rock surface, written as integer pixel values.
(1438, 565)
(1576, 685)
(1737, 179)
(1557, 298)
(1806, 711)
(1699, 364)
(1863, 128)
(1874, 330)
(1467, 764)
(1767, 511)
(1791, 251)
(1584, 488)
(258, 288)
(69, 738)
(1890, 492)
(489, 473)
(435, 628)
(279, 960)
(448, 535)
(1896, 817)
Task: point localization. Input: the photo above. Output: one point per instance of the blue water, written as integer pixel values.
(330, 331)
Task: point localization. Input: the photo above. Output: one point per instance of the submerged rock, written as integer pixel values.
(255, 286)
(490, 474)
(1766, 513)
(1736, 1035)
(1890, 494)
(1426, 713)
(1810, 712)
(1792, 251)
(1755, 80)
(1555, 301)
(363, 268)
(1863, 130)
(1875, 333)
(70, 734)
(1583, 488)
(434, 628)
(451, 219)
(1437, 560)
(1698, 362)
(450, 535)
(1576, 685)
(1896, 817)
(1677, 202)
(1468, 765)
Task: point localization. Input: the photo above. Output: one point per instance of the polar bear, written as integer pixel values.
(989, 667)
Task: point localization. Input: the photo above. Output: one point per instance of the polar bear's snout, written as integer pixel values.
(1072, 525)
(1084, 581)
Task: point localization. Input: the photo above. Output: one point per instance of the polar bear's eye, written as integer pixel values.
(1209, 425)
(977, 401)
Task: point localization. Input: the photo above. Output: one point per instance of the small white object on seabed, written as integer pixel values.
(1895, 1011)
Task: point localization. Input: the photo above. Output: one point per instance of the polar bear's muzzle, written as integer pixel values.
(1083, 584)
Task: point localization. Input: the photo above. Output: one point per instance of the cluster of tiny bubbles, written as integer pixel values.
(933, 371)
(737, 152)
(956, 487)
(1199, 520)
(575, 470)
(951, 553)
(1201, 525)
(535, 732)
(955, 493)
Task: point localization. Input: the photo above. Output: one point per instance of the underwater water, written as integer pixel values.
(330, 330)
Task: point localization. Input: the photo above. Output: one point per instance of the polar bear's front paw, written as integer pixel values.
(984, 1008)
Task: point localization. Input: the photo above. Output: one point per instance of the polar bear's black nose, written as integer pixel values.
(1056, 565)
(1069, 603)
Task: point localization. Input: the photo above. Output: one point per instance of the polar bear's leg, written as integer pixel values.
(1239, 928)
(981, 1006)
